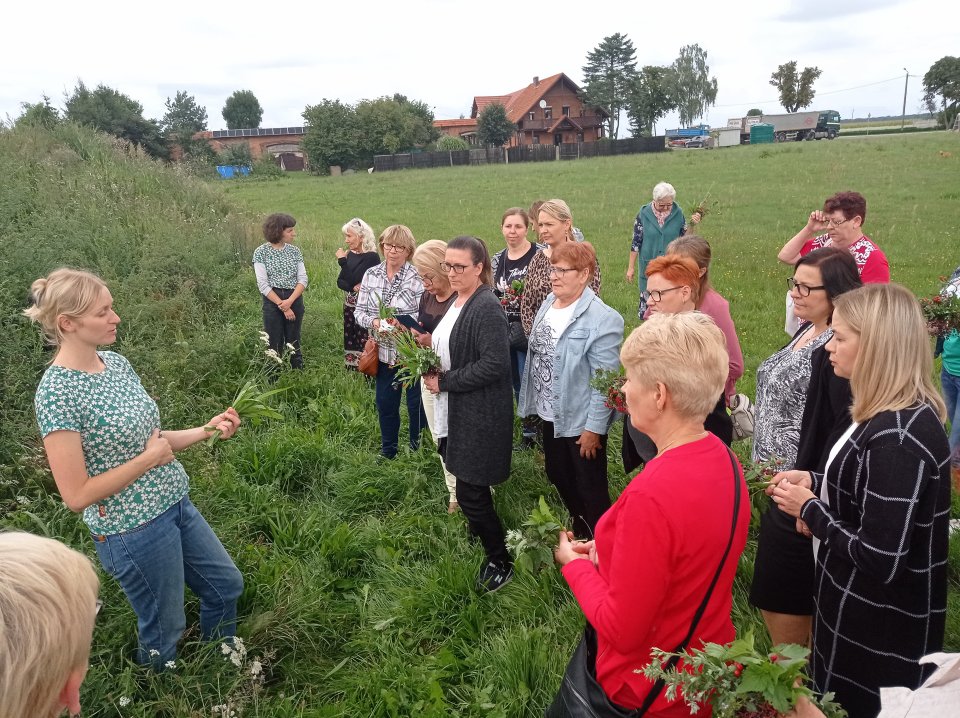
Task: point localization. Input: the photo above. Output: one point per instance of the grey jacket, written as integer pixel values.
(480, 424)
(590, 342)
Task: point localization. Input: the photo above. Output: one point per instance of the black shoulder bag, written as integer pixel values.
(580, 694)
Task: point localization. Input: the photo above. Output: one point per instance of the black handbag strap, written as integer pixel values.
(658, 686)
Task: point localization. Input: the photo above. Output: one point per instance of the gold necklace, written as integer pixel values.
(678, 442)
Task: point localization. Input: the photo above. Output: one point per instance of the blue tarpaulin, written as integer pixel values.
(230, 171)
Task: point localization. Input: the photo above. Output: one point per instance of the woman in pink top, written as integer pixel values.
(712, 304)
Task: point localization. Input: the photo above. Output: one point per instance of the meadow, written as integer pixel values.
(359, 597)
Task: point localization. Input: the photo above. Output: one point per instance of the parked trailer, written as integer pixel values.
(797, 126)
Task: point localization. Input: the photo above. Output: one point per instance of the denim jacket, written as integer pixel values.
(590, 342)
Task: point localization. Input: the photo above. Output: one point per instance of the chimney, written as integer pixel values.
(536, 81)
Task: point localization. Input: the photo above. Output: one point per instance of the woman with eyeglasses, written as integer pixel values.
(393, 283)
(438, 296)
(799, 406)
(359, 256)
(879, 510)
(657, 224)
(555, 227)
(839, 224)
(473, 416)
(573, 336)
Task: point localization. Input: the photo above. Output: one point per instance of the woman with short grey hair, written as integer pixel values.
(657, 224)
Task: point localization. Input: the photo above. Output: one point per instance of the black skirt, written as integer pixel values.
(783, 571)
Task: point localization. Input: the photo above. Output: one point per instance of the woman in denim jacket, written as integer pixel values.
(574, 334)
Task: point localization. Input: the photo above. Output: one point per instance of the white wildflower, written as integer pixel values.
(239, 647)
(290, 347)
(124, 701)
(272, 354)
(154, 653)
(23, 500)
(225, 649)
(219, 710)
(256, 668)
(265, 338)
(170, 664)
(235, 659)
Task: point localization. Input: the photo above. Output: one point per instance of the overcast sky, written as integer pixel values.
(294, 53)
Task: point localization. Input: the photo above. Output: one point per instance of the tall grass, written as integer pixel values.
(359, 597)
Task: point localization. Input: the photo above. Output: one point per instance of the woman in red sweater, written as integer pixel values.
(657, 549)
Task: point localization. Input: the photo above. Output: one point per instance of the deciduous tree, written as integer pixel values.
(388, 125)
(941, 88)
(183, 116)
(609, 77)
(755, 112)
(332, 136)
(695, 89)
(39, 114)
(242, 111)
(454, 144)
(493, 125)
(113, 112)
(652, 96)
(796, 90)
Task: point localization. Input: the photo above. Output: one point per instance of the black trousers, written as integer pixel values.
(476, 502)
(281, 330)
(581, 483)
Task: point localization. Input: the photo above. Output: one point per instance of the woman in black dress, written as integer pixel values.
(357, 258)
(879, 512)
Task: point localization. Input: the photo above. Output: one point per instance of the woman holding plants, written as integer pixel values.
(555, 225)
(879, 512)
(359, 256)
(474, 407)
(281, 279)
(574, 335)
(110, 460)
(438, 296)
(660, 570)
(782, 586)
(657, 224)
(392, 287)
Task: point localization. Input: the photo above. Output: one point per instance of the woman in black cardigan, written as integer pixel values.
(473, 414)
(879, 513)
(357, 258)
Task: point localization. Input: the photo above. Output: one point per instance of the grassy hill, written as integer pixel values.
(359, 592)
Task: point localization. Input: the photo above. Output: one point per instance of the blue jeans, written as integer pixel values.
(153, 561)
(518, 362)
(951, 392)
(388, 396)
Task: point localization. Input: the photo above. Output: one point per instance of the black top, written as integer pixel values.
(826, 413)
(432, 310)
(352, 268)
(505, 272)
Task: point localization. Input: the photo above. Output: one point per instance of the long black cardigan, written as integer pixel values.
(480, 388)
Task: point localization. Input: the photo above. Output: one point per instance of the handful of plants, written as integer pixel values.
(414, 360)
(738, 681)
(609, 382)
(512, 295)
(532, 545)
(942, 312)
(386, 314)
(757, 476)
(250, 404)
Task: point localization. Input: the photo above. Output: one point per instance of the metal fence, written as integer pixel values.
(524, 153)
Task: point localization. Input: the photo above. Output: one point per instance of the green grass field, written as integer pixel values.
(359, 595)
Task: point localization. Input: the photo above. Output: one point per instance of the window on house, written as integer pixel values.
(548, 113)
(536, 138)
(530, 115)
(566, 110)
(579, 137)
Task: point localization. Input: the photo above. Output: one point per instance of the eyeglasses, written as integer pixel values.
(657, 294)
(834, 223)
(356, 223)
(662, 206)
(455, 268)
(559, 271)
(426, 278)
(394, 248)
(802, 289)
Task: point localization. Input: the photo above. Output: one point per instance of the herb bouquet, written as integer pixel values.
(758, 476)
(738, 681)
(609, 382)
(512, 296)
(532, 545)
(415, 361)
(251, 404)
(942, 312)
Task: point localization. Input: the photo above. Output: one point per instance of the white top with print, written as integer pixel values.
(115, 417)
(542, 346)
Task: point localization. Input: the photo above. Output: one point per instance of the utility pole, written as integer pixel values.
(903, 115)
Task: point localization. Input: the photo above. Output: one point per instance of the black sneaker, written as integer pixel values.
(493, 577)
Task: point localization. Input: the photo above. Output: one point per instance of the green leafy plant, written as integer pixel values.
(250, 404)
(942, 312)
(757, 476)
(609, 382)
(532, 545)
(414, 360)
(738, 681)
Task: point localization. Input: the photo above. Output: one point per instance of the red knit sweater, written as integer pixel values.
(657, 550)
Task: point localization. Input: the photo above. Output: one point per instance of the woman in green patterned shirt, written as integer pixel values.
(281, 279)
(101, 432)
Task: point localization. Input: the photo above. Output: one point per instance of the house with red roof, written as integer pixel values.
(546, 112)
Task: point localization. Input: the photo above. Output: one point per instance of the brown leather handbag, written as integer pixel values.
(369, 359)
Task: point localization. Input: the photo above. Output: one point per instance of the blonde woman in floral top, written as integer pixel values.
(394, 283)
(110, 460)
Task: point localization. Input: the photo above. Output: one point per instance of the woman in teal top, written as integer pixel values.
(110, 460)
(281, 279)
(950, 382)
